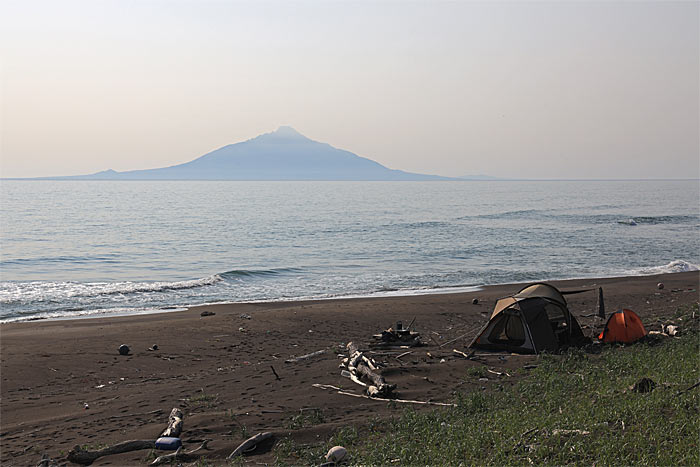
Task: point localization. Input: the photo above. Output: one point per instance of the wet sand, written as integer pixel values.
(218, 369)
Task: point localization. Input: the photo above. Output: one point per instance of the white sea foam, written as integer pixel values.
(12, 292)
(674, 266)
(98, 313)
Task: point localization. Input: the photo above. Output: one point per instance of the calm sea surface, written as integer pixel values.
(73, 248)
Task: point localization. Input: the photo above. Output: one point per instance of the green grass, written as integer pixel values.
(203, 400)
(522, 424)
(304, 418)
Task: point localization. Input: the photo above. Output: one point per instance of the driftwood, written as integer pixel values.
(249, 444)
(688, 389)
(359, 365)
(78, 455)
(277, 377)
(402, 401)
(305, 357)
(174, 424)
(498, 373)
(81, 456)
(181, 455)
(458, 352)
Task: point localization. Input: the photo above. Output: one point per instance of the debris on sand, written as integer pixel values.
(398, 336)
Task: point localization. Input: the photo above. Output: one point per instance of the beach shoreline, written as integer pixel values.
(217, 368)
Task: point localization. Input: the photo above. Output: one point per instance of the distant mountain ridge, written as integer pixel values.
(284, 154)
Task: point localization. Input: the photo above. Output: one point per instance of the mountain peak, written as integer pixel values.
(286, 131)
(282, 135)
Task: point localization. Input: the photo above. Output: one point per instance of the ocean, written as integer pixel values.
(96, 248)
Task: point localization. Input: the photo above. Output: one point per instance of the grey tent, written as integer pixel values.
(534, 320)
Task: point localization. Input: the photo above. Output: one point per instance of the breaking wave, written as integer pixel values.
(241, 273)
(674, 266)
(13, 292)
(655, 220)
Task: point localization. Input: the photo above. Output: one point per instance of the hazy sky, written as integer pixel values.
(513, 89)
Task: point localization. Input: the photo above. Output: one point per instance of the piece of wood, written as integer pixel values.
(305, 357)
(469, 355)
(558, 431)
(688, 389)
(359, 365)
(181, 455)
(81, 456)
(249, 444)
(497, 373)
(402, 401)
(174, 424)
(275, 373)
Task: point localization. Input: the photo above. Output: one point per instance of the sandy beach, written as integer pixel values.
(64, 382)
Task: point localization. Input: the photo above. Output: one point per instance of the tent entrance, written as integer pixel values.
(508, 330)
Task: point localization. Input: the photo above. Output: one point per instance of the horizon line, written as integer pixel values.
(451, 179)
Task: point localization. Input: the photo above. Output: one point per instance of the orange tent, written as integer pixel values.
(623, 326)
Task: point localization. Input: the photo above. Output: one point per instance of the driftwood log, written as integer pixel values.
(78, 455)
(81, 456)
(359, 365)
(174, 424)
(180, 455)
(249, 444)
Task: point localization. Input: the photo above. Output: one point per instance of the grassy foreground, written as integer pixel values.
(575, 408)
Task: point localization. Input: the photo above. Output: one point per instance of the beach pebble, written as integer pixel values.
(245, 316)
(124, 349)
(475, 301)
(660, 285)
(207, 313)
(336, 454)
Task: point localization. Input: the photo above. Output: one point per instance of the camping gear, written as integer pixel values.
(168, 443)
(623, 326)
(534, 320)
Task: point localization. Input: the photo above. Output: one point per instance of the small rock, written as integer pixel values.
(336, 454)
(475, 301)
(154, 347)
(207, 313)
(660, 285)
(245, 316)
(124, 349)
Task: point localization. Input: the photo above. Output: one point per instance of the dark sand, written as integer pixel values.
(220, 374)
